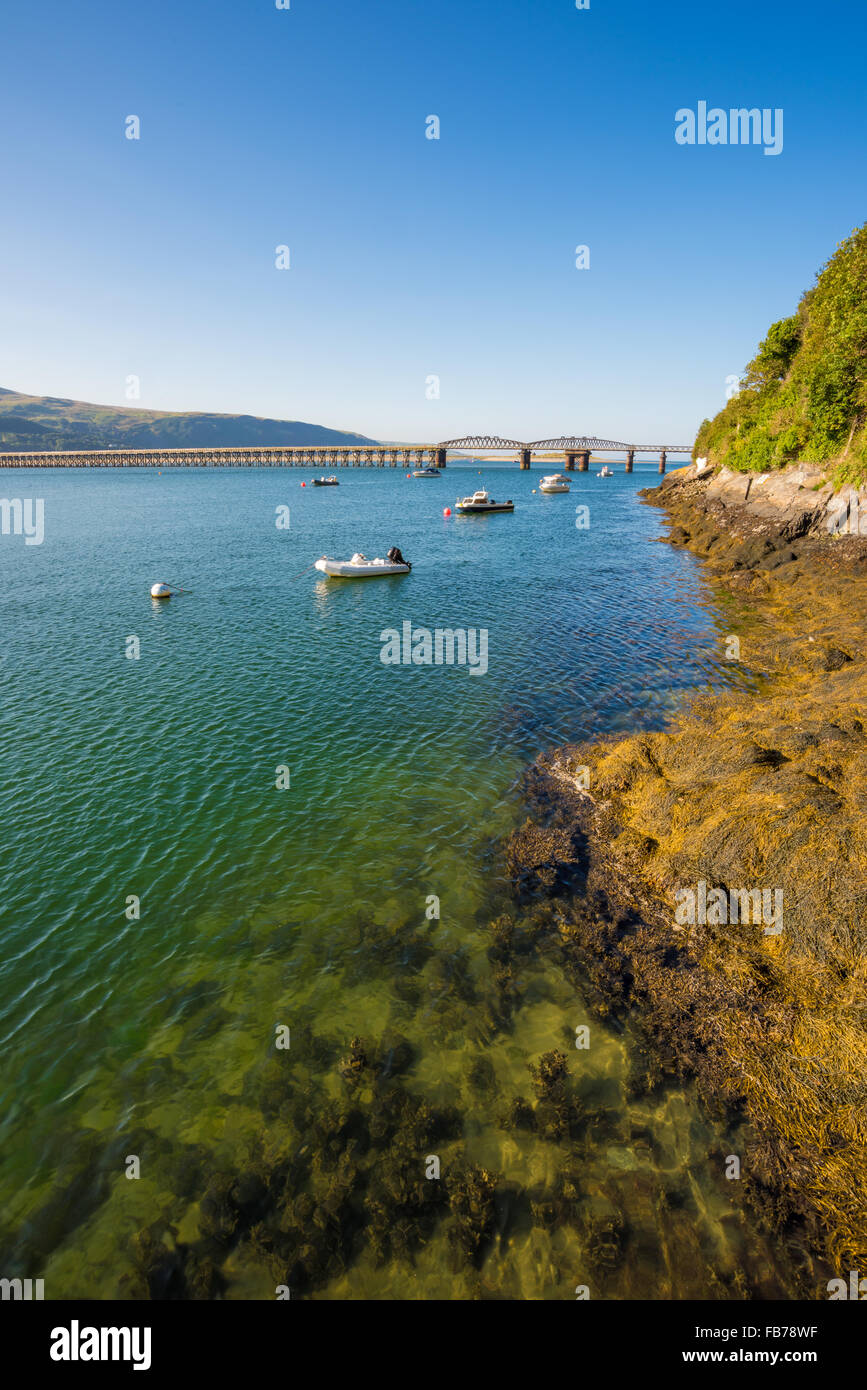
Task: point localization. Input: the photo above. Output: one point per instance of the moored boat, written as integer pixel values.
(359, 567)
(482, 501)
(326, 482)
(554, 482)
(606, 472)
(427, 472)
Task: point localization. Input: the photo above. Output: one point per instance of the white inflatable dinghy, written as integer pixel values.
(359, 567)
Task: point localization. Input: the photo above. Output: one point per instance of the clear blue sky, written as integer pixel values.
(413, 257)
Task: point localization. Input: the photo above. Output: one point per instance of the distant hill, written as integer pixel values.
(42, 423)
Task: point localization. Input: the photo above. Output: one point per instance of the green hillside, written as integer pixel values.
(42, 423)
(804, 395)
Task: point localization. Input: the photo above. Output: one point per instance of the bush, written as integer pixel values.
(805, 392)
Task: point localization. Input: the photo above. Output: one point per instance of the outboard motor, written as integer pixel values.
(396, 558)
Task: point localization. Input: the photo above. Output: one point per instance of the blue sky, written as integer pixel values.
(413, 257)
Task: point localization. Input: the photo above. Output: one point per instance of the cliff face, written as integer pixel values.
(749, 791)
(796, 501)
(804, 395)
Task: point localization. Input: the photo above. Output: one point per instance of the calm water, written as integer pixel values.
(306, 907)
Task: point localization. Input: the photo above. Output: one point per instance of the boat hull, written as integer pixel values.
(346, 569)
(482, 509)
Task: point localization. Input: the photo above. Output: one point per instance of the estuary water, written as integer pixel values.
(247, 992)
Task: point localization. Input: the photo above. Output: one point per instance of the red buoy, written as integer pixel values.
(447, 511)
(303, 484)
(409, 475)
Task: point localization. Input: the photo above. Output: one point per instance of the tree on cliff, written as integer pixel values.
(804, 395)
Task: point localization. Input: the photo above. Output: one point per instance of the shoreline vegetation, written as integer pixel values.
(804, 395)
(764, 790)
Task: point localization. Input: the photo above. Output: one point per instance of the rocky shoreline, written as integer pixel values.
(758, 789)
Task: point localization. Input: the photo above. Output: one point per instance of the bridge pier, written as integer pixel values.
(525, 458)
(630, 459)
(570, 462)
(440, 458)
(662, 462)
(583, 460)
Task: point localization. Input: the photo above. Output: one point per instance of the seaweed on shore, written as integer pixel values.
(761, 784)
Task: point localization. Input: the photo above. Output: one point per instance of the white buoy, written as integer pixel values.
(160, 591)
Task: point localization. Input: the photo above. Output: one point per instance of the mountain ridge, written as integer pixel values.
(56, 423)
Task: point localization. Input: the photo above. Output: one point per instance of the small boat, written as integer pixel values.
(606, 472)
(554, 482)
(359, 567)
(326, 482)
(482, 501)
(427, 472)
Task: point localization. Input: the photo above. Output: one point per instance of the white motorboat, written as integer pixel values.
(554, 482)
(427, 472)
(606, 472)
(359, 567)
(482, 501)
(326, 482)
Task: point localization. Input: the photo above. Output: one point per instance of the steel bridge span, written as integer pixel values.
(576, 451)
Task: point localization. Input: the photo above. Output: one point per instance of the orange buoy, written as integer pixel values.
(409, 475)
(447, 511)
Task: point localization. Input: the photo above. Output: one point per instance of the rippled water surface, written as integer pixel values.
(310, 907)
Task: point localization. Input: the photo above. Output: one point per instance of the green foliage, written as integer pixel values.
(774, 357)
(805, 392)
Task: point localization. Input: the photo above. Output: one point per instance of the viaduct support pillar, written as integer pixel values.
(524, 459)
(570, 462)
(630, 460)
(583, 461)
(440, 459)
(662, 462)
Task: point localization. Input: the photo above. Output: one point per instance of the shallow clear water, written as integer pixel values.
(307, 906)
